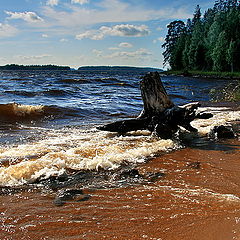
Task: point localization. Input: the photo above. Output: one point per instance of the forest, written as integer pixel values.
(207, 42)
(33, 67)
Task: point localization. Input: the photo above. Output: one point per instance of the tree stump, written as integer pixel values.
(159, 113)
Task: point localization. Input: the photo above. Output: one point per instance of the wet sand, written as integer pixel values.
(198, 198)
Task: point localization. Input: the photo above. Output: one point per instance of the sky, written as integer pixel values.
(89, 32)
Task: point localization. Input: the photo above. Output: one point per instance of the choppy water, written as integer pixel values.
(48, 120)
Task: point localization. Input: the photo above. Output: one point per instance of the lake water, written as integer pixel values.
(48, 136)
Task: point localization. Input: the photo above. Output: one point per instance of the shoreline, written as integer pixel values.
(230, 93)
(201, 74)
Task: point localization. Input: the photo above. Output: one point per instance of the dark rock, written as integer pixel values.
(222, 132)
(66, 195)
(132, 173)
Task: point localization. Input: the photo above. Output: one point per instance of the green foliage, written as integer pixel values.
(175, 30)
(208, 43)
(219, 52)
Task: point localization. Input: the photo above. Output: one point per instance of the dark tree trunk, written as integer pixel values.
(154, 95)
(159, 114)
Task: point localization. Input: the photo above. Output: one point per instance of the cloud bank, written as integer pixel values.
(122, 30)
(109, 11)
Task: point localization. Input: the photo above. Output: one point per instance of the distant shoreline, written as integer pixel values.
(117, 68)
(16, 67)
(33, 67)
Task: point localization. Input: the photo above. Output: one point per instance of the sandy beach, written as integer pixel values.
(197, 198)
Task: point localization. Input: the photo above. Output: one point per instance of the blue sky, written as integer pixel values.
(88, 32)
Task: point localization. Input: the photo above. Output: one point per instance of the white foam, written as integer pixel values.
(221, 116)
(77, 149)
(23, 110)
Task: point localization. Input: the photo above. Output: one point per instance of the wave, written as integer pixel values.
(55, 92)
(221, 116)
(22, 93)
(69, 150)
(88, 80)
(15, 110)
(75, 80)
(76, 150)
(50, 92)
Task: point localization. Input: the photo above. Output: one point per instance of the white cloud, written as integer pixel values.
(30, 17)
(44, 35)
(122, 30)
(7, 30)
(138, 54)
(125, 45)
(87, 34)
(52, 2)
(80, 1)
(111, 11)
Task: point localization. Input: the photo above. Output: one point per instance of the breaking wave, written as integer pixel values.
(15, 110)
(12, 112)
(75, 149)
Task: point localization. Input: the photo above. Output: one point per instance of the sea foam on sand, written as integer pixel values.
(77, 149)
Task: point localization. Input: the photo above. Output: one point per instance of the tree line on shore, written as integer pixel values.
(209, 42)
(33, 67)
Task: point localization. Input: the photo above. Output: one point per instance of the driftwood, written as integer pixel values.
(159, 113)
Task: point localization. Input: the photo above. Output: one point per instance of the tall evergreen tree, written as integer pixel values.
(211, 42)
(219, 53)
(196, 16)
(196, 49)
(175, 30)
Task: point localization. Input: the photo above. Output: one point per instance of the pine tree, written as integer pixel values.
(196, 16)
(175, 30)
(196, 49)
(219, 53)
(177, 53)
(211, 42)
